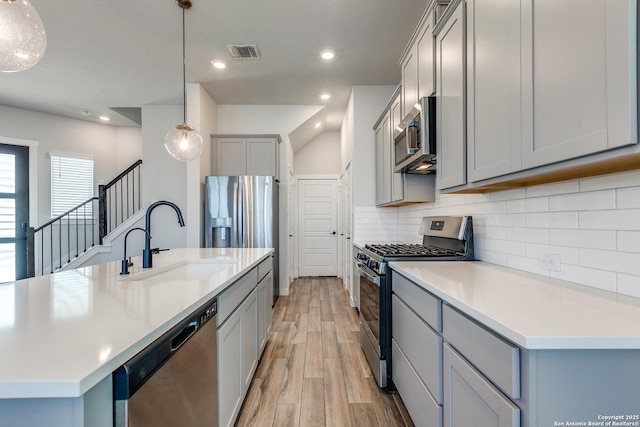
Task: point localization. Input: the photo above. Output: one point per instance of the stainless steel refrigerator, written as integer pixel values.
(242, 212)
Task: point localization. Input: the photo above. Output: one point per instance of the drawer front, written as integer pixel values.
(496, 358)
(421, 346)
(427, 306)
(233, 296)
(264, 267)
(471, 400)
(424, 410)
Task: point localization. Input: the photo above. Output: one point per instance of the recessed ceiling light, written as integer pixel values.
(325, 96)
(85, 112)
(327, 54)
(104, 118)
(317, 125)
(218, 64)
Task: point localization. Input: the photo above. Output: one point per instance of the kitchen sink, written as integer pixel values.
(199, 270)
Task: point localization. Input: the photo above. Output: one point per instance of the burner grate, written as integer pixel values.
(410, 250)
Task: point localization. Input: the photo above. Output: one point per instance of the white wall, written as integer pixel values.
(163, 177)
(320, 156)
(591, 223)
(110, 147)
(202, 112)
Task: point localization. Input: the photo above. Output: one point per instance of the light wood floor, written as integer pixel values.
(313, 372)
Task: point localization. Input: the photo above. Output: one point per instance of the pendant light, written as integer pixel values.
(182, 141)
(22, 37)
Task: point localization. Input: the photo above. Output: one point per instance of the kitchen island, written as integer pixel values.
(504, 347)
(62, 335)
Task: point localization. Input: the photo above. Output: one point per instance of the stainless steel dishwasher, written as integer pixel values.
(173, 381)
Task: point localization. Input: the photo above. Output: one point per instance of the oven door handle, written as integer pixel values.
(369, 276)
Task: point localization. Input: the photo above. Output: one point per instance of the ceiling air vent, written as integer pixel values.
(244, 51)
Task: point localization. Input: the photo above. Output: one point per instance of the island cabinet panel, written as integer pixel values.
(579, 77)
(265, 312)
(471, 400)
(249, 313)
(230, 380)
(494, 131)
(244, 318)
(450, 101)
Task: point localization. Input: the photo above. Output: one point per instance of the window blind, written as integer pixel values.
(71, 184)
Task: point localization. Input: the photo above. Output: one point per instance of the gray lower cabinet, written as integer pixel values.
(488, 381)
(229, 369)
(244, 319)
(237, 358)
(265, 297)
(422, 407)
(470, 399)
(416, 362)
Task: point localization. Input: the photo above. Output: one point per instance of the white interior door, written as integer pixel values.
(317, 225)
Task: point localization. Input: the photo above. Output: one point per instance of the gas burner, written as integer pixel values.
(409, 250)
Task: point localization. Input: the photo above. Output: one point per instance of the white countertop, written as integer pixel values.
(61, 334)
(532, 311)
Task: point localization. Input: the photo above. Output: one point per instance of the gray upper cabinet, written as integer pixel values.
(409, 67)
(547, 86)
(383, 163)
(494, 130)
(450, 100)
(257, 155)
(579, 78)
(396, 189)
(397, 179)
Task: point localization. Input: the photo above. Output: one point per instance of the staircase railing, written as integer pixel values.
(64, 238)
(119, 199)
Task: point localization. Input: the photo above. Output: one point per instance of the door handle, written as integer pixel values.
(333, 232)
(24, 226)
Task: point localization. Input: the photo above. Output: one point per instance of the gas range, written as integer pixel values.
(445, 238)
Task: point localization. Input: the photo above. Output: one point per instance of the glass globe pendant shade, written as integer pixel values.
(183, 143)
(22, 36)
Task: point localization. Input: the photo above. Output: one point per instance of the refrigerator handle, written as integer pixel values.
(237, 221)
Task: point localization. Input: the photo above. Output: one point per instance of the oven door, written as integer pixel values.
(372, 320)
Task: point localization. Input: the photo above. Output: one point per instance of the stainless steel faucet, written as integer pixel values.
(147, 253)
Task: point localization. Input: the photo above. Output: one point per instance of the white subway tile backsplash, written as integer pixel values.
(592, 239)
(525, 264)
(592, 223)
(628, 241)
(515, 194)
(552, 220)
(628, 198)
(621, 262)
(620, 219)
(628, 285)
(616, 180)
(564, 187)
(596, 200)
(587, 276)
(537, 204)
(568, 255)
(508, 247)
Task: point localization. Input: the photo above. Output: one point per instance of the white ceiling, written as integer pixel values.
(125, 54)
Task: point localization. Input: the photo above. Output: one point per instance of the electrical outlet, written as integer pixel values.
(549, 262)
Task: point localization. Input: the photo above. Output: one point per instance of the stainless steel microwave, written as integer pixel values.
(415, 139)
